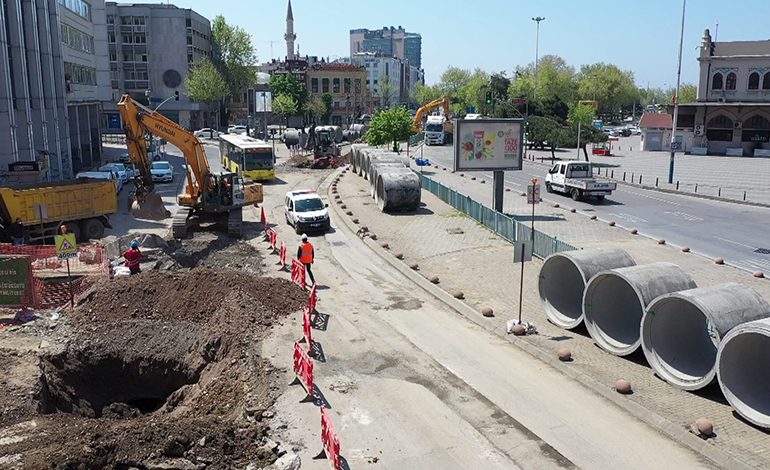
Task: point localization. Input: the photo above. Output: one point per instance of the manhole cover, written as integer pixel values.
(762, 251)
(455, 231)
(338, 243)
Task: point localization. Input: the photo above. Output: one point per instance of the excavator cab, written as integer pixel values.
(223, 192)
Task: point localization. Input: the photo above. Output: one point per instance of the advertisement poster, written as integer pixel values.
(15, 281)
(489, 144)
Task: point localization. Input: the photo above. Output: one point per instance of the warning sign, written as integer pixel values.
(66, 246)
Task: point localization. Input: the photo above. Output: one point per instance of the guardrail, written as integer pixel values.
(417, 138)
(503, 225)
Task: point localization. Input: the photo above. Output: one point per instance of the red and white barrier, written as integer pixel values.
(283, 255)
(273, 238)
(307, 331)
(312, 299)
(298, 273)
(303, 370)
(262, 217)
(330, 440)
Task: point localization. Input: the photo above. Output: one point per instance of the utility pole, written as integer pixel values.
(537, 20)
(676, 99)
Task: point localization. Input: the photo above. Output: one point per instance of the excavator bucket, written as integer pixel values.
(149, 206)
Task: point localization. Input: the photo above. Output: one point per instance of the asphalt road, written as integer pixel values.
(736, 232)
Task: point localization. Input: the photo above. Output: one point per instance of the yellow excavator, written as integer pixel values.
(208, 196)
(428, 107)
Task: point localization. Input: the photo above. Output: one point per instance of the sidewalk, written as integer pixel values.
(467, 257)
(715, 176)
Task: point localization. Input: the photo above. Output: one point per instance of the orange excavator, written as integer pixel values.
(208, 196)
(427, 108)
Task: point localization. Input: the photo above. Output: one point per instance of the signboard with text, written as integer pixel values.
(66, 246)
(488, 144)
(533, 194)
(15, 281)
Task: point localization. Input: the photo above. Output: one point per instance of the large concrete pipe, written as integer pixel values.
(359, 128)
(563, 278)
(366, 161)
(294, 137)
(398, 189)
(355, 155)
(379, 165)
(614, 302)
(743, 362)
(681, 331)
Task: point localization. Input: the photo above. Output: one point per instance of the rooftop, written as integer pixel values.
(655, 120)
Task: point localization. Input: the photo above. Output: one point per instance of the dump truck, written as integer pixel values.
(83, 204)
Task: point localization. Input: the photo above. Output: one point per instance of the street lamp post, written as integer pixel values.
(537, 20)
(676, 100)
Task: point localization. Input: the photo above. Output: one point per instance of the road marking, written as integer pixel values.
(757, 263)
(685, 216)
(735, 243)
(628, 217)
(649, 197)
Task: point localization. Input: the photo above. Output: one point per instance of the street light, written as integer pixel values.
(676, 100)
(537, 20)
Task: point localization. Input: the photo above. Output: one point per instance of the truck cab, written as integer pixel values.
(576, 179)
(434, 130)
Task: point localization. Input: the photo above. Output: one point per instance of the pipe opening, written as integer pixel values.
(613, 313)
(561, 290)
(743, 373)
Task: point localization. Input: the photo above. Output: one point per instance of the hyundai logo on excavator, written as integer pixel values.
(165, 129)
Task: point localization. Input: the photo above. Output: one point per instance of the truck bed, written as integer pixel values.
(590, 184)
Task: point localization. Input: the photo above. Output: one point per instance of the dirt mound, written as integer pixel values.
(206, 249)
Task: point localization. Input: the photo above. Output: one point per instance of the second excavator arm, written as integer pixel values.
(426, 108)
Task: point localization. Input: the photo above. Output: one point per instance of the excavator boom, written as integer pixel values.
(426, 108)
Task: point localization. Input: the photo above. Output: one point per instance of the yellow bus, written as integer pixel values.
(251, 157)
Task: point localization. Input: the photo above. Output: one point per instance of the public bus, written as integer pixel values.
(247, 155)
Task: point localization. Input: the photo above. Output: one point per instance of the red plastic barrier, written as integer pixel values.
(312, 299)
(298, 273)
(273, 238)
(330, 440)
(283, 255)
(303, 368)
(262, 217)
(307, 330)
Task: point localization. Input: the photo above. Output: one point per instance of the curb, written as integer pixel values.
(677, 433)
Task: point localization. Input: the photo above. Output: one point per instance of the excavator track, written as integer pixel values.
(180, 221)
(235, 223)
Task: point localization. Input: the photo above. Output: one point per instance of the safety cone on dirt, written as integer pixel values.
(262, 217)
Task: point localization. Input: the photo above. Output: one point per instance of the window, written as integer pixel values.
(336, 85)
(79, 7)
(189, 58)
(324, 85)
(113, 56)
(719, 128)
(79, 74)
(716, 81)
(357, 86)
(111, 38)
(111, 19)
(188, 23)
(754, 81)
(766, 81)
(139, 20)
(313, 85)
(140, 39)
(76, 39)
(346, 85)
(189, 40)
(731, 81)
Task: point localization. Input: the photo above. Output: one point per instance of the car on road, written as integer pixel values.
(236, 130)
(306, 212)
(119, 169)
(624, 132)
(102, 175)
(206, 133)
(162, 172)
(576, 178)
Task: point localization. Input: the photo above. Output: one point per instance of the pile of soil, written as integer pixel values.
(159, 370)
(205, 249)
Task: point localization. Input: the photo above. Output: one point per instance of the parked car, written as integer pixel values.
(118, 168)
(625, 132)
(236, 130)
(306, 212)
(162, 172)
(102, 175)
(131, 170)
(125, 158)
(206, 133)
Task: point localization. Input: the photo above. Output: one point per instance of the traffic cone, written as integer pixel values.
(262, 217)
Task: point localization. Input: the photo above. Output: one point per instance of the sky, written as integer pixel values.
(497, 35)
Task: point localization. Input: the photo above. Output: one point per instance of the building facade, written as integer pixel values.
(390, 80)
(346, 83)
(731, 115)
(149, 59)
(388, 42)
(53, 78)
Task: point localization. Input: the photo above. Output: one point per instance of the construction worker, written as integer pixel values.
(133, 256)
(17, 232)
(306, 255)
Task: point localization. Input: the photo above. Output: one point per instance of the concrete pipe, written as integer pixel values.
(349, 136)
(355, 151)
(379, 165)
(614, 302)
(366, 162)
(563, 278)
(294, 137)
(398, 189)
(743, 362)
(359, 128)
(681, 331)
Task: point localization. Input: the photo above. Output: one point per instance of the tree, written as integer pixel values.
(580, 113)
(286, 84)
(499, 84)
(386, 91)
(688, 93)
(422, 94)
(389, 126)
(234, 58)
(326, 99)
(316, 108)
(613, 88)
(452, 80)
(540, 130)
(285, 105)
(204, 83)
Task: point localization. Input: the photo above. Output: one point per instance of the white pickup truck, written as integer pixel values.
(576, 179)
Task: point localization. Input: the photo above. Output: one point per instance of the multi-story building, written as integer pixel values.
(388, 42)
(390, 80)
(732, 112)
(347, 85)
(53, 76)
(149, 58)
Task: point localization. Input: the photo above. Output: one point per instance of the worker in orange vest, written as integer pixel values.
(306, 255)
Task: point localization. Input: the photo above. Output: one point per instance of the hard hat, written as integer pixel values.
(134, 244)
(304, 237)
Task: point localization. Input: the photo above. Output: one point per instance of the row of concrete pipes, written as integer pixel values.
(689, 334)
(392, 184)
(301, 137)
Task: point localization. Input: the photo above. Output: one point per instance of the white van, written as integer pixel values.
(102, 175)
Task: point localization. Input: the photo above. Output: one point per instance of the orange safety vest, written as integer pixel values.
(307, 253)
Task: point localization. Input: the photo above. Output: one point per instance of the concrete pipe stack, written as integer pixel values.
(349, 135)
(614, 302)
(564, 276)
(397, 189)
(294, 137)
(681, 331)
(378, 164)
(743, 362)
(355, 155)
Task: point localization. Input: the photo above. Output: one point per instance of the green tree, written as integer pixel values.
(452, 80)
(387, 91)
(499, 84)
(326, 99)
(204, 83)
(389, 126)
(580, 113)
(688, 93)
(541, 130)
(613, 88)
(316, 108)
(233, 56)
(422, 94)
(286, 84)
(285, 106)
(473, 93)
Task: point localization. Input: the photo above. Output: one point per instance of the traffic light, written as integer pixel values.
(176, 96)
(489, 97)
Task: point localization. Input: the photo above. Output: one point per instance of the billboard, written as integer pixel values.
(15, 281)
(488, 144)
